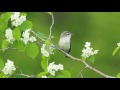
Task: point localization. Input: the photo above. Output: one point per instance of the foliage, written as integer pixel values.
(23, 42)
(24, 38)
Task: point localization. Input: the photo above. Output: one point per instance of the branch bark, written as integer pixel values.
(87, 65)
(77, 59)
(51, 25)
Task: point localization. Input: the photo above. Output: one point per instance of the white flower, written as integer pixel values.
(52, 68)
(17, 19)
(44, 76)
(22, 18)
(87, 44)
(43, 51)
(118, 44)
(15, 15)
(96, 51)
(88, 51)
(47, 50)
(60, 66)
(9, 67)
(26, 37)
(32, 39)
(9, 36)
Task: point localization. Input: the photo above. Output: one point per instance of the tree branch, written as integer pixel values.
(21, 74)
(87, 65)
(7, 48)
(80, 73)
(71, 64)
(77, 59)
(80, 60)
(51, 25)
(37, 35)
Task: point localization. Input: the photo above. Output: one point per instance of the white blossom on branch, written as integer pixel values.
(17, 19)
(52, 68)
(9, 35)
(47, 50)
(26, 37)
(15, 15)
(88, 51)
(9, 67)
(43, 51)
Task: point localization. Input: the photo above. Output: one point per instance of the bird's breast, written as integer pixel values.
(64, 43)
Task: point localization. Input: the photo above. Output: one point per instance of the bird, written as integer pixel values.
(65, 42)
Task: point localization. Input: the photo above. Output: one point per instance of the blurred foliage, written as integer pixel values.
(102, 29)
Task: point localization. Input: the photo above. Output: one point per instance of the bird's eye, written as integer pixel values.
(68, 34)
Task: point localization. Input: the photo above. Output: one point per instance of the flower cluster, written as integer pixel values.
(47, 51)
(26, 37)
(88, 51)
(52, 68)
(17, 19)
(9, 35)
(9, 67)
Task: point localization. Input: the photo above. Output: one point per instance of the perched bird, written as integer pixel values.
(65, 42)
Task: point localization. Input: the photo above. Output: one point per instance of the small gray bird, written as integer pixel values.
(64, 42)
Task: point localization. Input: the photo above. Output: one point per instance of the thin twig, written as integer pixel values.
(7, 48)
(51, 26)
(21, 74)
(71, 64)
(37, 35)
(26, 75)
(80, 73)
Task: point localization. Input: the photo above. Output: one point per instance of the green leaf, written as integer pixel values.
(3, 25)
(118, 75)
(42, 74)
(2, 75)
(19, 45)
(48, 43)
(66, 73)
(23, 14)
(91, 58)
(6, 16)
(4, 21)
(26, 25)
(41, 35)
(44, 62)
(1, 64)
(32, 50)
(50, 13)
(16, 34)
(5, 44)
(116, 49)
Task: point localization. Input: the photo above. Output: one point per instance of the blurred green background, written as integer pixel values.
(102, 29)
